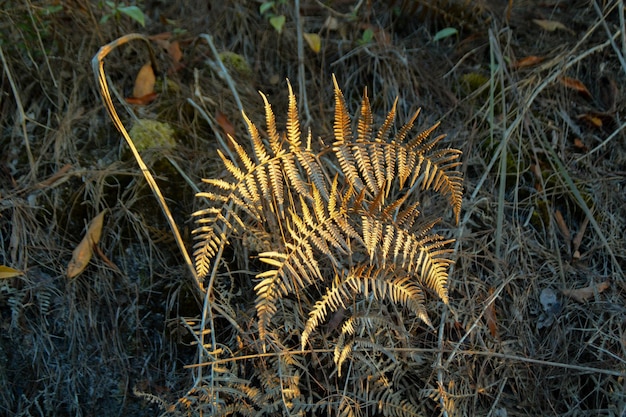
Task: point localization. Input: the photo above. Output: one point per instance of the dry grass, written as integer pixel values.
(114, 341)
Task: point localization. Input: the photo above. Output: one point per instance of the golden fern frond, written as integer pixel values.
(292, 270)
(343, 137)
(269, 290)
(293, 121)
(356, 347)
(385, 130)
(248, 163)
(417, 252)
(360, 224)
(270, 124)
(350, 327)
(424, 134)
(231, 167)
(341, 127)
(313, 169)
(367, 166)
(372, 233)
(382, 283)
(274, 169)
(314, 228)
(244, 194)
(366, 120)
(293, 176)
(258, 189)
(377, 162)
(211, 237)
(346, 407)
(257, 143)
(406, 159)
(307, 215)
(399, 407)
(438, 172)
(406, 218)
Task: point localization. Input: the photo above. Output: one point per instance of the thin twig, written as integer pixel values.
(20, 109)
(505, 356)
(618, 53)
(30, 9)
(225, 74)
(304, 102)
(218, 135)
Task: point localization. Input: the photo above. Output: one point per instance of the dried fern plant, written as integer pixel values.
(337, 233)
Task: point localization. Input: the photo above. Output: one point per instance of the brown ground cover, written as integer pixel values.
(530, 91)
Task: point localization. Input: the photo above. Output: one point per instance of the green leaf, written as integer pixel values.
(52, 9)
(278, 22)
(134, 13)
(445, 33)
(263, 8)
(368, 35)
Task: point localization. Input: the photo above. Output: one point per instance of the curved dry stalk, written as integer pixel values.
(97, 64)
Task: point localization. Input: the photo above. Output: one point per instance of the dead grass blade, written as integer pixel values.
(20, 107)
(559, 168)
(98, 68)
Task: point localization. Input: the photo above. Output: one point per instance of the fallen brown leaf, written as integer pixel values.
(551, 25)
(490, 316)
(528, 61)
(163, 36)
(560, 221)
(580, 145)
(55, 177)
(597, 120)
(536, 170)
(314, 41)
(142, 101)
(171, 47)
(577, 85)
(591, 120)
(583, 294)
(225, 124)
(174, 52)
(145, 81)
(84, 251)
(8, 272)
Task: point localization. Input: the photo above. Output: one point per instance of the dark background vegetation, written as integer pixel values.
(530, 91)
